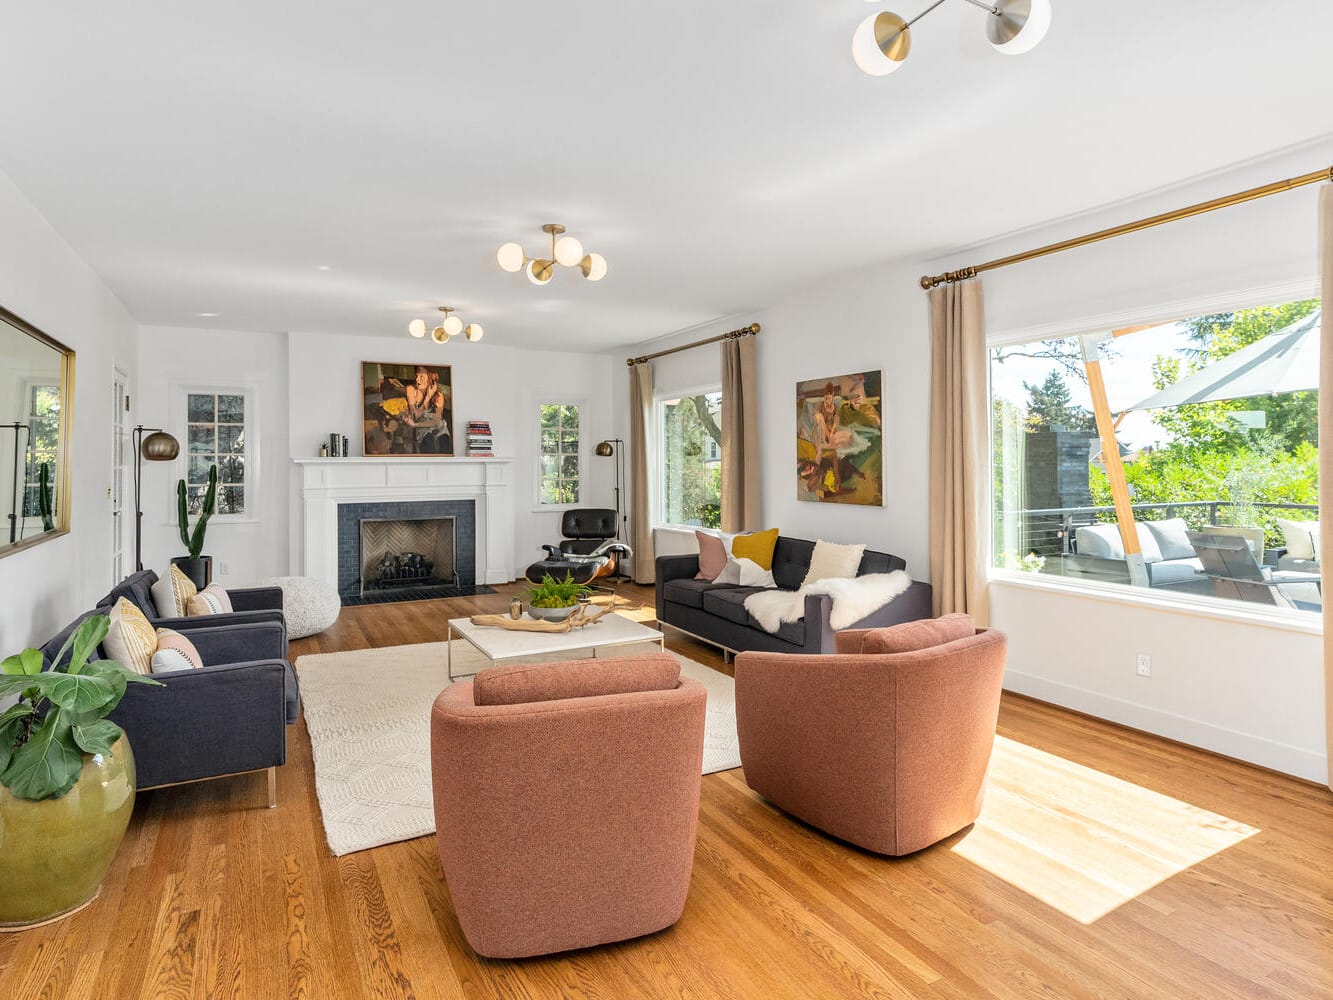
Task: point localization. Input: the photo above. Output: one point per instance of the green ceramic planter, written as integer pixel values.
(55, 853)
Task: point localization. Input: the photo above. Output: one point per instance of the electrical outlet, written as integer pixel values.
(224, 569)
(1143, 663)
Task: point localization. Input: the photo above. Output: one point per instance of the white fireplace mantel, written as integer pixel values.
(328, 482)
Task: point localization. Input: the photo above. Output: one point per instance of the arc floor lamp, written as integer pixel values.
(157, 446)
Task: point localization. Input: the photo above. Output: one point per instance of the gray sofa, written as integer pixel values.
(716, 612)
(227, 717)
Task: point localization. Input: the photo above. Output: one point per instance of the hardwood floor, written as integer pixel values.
(1108, 864)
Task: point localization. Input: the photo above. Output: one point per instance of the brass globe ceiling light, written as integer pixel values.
(451, 326)
(882, 42)
(565, 250)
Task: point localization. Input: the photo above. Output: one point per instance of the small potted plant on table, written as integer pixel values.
(555, 600)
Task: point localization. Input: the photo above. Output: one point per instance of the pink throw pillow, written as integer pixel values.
(712, 556)
(175, 652)
(922, 634)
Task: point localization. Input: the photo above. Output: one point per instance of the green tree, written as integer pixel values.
(691, 485)
(1050, 405)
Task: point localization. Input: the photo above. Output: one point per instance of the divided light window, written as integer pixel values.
(690, 446)
(216, 436)
(1214, 450)
(560, 456)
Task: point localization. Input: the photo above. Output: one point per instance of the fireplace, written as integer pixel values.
(409, 550)
(397, 552)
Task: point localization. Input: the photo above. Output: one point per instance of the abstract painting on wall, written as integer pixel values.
(839, 440)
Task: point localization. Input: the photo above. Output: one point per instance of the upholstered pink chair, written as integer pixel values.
(567, 801)
(884, 744)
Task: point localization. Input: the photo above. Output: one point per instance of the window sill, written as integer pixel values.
(1195, 606)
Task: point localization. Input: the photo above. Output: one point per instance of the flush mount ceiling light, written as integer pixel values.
(565, 250)
(451, 326)
(882, 41)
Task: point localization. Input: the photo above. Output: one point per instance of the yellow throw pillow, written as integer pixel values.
(757, 547)
(182, 588)
(130, 640)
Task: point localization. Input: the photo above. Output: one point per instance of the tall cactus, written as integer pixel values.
(194, 542)
(44, 506)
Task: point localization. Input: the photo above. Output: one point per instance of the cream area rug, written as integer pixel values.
(368, 714)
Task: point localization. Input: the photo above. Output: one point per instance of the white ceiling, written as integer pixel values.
(213, 157)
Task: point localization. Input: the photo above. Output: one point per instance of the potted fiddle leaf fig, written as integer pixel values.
(66, 777)
(197, 567)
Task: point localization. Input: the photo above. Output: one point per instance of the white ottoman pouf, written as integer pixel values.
(309, 605)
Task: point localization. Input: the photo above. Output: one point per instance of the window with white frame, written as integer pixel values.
(689, 448)
(217, 424)
(560, 454)
(1205, 459)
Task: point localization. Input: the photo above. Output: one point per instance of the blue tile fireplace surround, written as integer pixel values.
(350, 516)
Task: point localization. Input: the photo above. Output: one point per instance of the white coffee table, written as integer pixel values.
(499, 644)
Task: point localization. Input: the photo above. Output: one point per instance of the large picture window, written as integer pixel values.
(1201, 453)
(561, 457)
(690, 448)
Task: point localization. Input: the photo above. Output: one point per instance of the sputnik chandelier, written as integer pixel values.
(566, 250)
(451, 326)
(882, 41)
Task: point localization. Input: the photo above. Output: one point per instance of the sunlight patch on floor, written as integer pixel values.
(1082, 841)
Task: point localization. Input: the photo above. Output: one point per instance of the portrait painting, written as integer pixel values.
(839, 440)
(407, 409)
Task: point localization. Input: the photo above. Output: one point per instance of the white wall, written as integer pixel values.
(46, 283)
(1250, 690)
(491, 382)
(172, 359)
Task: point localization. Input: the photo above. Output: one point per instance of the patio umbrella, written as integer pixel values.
(1285, 361)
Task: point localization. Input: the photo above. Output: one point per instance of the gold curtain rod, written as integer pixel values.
(745, 331)
(1277, 187)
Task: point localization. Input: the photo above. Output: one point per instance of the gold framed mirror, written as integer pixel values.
(36, 396)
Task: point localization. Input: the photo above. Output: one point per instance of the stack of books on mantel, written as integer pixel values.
(479, 439)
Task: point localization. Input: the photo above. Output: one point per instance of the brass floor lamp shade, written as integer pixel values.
(615, 448)
(156, 446)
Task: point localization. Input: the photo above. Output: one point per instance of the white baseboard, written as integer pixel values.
(1302, 763)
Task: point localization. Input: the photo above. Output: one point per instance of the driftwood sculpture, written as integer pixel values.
(581, 618)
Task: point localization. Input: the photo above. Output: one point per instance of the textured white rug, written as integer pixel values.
(368, 714)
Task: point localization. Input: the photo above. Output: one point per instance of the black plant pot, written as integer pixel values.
(199, 570)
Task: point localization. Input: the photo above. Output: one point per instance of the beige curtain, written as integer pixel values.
(959, 450)
(1326, 441)
(740, 436)
(640, 419)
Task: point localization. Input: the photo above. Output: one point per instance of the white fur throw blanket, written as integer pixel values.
(853, 599)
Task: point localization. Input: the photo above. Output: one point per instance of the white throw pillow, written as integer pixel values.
(1302, 538)
(831, 561)
(752, 574)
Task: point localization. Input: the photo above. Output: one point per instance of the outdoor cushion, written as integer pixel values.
(729, 603)
(1103, 541)
(1167, 572)
(1302, 538)
(1172, 538)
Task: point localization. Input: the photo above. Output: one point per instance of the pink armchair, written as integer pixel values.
(567, 801)
(884, 744)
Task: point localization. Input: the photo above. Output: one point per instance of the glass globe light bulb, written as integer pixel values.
(539, 271)
(473, 332)
(568, 251)
(881, 43)
(439, 335)
(511, 258)
(417, 328)
(594, 267)
(453, 325)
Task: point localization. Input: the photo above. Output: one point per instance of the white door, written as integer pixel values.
(120, 403)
